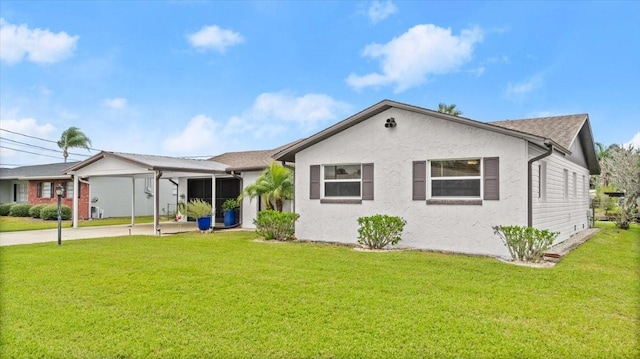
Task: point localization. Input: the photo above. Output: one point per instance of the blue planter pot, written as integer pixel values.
(204, 223)
(229, 218)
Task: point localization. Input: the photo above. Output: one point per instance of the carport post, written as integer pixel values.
(156, 202)
(133, 201)
(76, 188)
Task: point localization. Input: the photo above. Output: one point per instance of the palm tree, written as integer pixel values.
(274, 185)
(72, 137)
(449, 109)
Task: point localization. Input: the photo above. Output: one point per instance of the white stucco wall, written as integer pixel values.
(459, 228)
(249, 206)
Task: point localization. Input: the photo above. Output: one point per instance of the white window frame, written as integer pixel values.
(68, 191)
(431, 178)
(565, 184)
(21, 193)
(323, 180)
(46, 190)
(542, 181)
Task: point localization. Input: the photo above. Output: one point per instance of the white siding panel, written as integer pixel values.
(567, 216)
(113, 196)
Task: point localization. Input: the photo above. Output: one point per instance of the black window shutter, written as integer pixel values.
(492, 178)
(314, 190)
(52, 190)
(39, 189)
(80, 186)
(419, 180)
(367, 181)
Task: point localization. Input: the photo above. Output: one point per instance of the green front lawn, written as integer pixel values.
(224, 295)
(12, 224)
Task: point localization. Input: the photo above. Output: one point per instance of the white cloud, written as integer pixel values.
(213, 37)
(528, 85)
(307, 111)
(635, 142)
(423, 50)
(39, 46)
(271, 115)
(197, 137)
(379, 11)
(117, 103)
(27, 126)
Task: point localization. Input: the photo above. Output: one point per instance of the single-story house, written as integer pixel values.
(451, 178)
(37, 185)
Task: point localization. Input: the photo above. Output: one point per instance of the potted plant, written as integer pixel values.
(230, 208)
(200, 210)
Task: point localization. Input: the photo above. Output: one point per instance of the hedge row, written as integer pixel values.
(44, 211)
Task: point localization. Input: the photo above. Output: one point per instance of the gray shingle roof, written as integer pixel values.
(51, 170)
(561, 129)
(249, 160)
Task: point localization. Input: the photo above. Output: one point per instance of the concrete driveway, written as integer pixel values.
(51, 235)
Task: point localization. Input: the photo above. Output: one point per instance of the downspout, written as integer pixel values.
(292, 168)
(530, 182)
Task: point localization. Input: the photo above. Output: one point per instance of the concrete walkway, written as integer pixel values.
(51, 235)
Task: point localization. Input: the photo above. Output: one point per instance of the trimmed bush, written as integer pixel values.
(20, 210)
(50, 212)
(35, 210)
(378, 231)
(5, 208)
(526, 244)
(276, 225)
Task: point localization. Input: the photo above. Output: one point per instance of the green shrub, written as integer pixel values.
(526, 244)
(50, 211)
(276, 225)
(35, 210)
(378, 231)
(5, 208)
(20, 210)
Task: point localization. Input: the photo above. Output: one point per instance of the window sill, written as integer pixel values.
(341, 201)
(455, 202)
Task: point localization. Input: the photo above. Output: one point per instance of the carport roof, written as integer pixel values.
(152, 163)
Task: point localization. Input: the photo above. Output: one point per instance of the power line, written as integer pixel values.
(22, 134)
(33, 153)
(39, 147)
(41, 139)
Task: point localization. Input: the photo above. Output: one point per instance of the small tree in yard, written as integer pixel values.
(526, 244)
(622, 165)
(378, 231)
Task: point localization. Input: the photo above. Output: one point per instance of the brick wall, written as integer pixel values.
(83, 202)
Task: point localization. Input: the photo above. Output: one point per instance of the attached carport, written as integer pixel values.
(114, 164)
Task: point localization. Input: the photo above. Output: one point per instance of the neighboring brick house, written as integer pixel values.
(37, 184)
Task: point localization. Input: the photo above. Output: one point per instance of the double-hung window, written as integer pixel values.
(341, 183)
(455, 178)
(342, 180)
(47, 191)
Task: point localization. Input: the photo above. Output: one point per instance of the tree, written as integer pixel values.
(623, 168)
(72, 137)
(449, 109)
(274, 185)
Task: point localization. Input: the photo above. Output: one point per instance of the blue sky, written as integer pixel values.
(192, 78)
